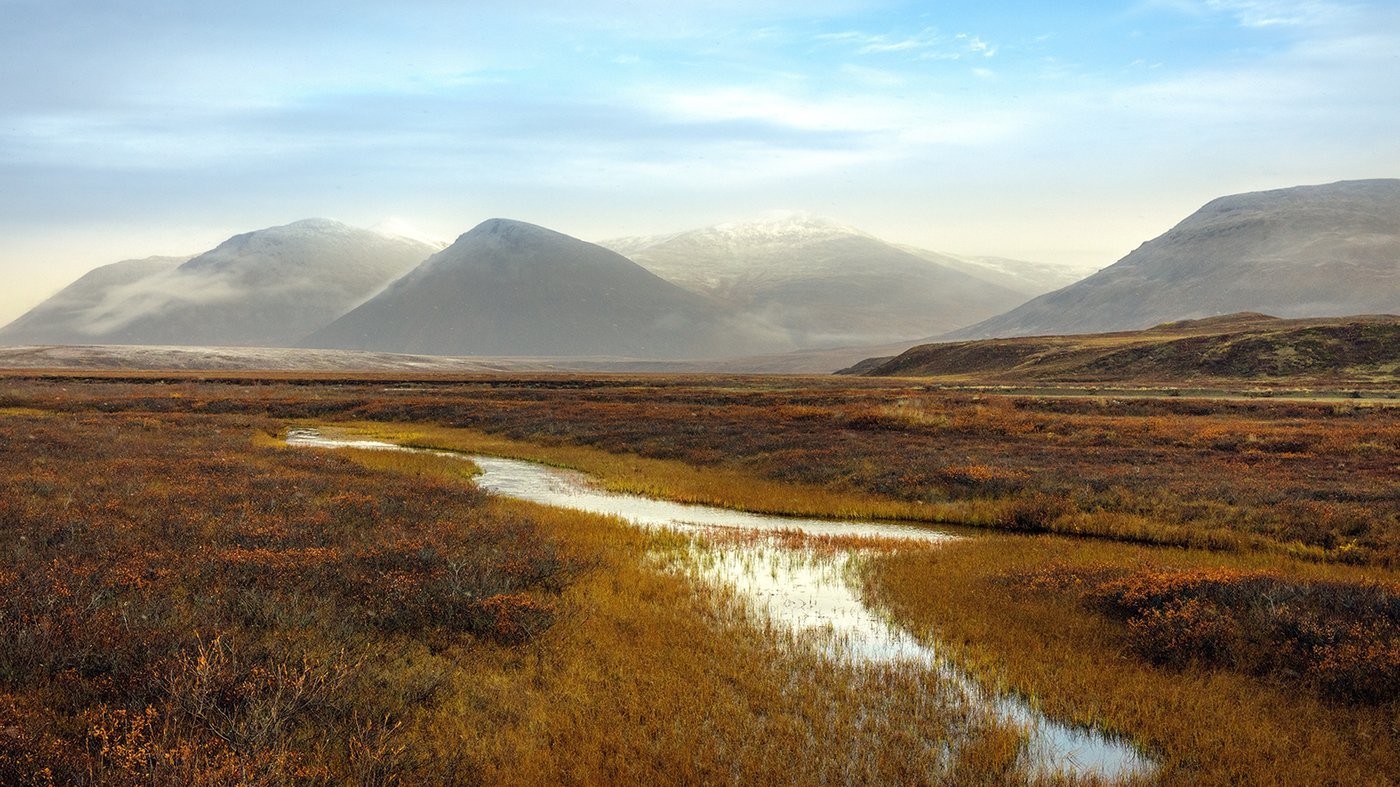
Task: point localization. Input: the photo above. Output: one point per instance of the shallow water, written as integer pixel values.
(814, 594)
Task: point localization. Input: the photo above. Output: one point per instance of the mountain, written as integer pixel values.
(266, 288)
(823, 284)
(511, 288)
(1320, 251)
(58, 320)
(1356, 351)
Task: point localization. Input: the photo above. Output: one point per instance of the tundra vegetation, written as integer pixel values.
(185, 600)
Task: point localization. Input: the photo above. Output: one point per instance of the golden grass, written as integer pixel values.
(24, 412)
(1206, 725)
(650, 678)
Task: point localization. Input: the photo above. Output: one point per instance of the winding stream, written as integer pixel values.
(816, 596)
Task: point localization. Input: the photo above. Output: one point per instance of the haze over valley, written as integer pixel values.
(265, 288)
(776, 290)
(781, 283)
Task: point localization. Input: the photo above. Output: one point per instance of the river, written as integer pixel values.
(814, 593)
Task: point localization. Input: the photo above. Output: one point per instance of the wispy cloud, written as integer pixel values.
(1288, 13)
(1265, 13)
(976, 45)
(926, 44)
(775, 108)
(872, 44)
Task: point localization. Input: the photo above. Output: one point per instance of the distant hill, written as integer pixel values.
(1327, 250)
(511, 288)
(266, 288)
(1243, 346)
(63, 317)
(824, 284)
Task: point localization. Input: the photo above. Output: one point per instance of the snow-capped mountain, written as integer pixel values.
(823, 283)
(265, 288)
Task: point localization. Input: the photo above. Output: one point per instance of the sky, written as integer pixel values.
(1063, 133)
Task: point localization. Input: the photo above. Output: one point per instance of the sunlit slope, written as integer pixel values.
(1241, 347)
(1308, 251)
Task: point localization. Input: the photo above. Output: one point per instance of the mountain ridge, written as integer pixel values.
(1323, 250)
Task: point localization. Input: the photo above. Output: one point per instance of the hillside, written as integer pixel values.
(1243, 346)
(824, 284)
(1325, 251)
(62, 317)
(511, 288)
(267, 288)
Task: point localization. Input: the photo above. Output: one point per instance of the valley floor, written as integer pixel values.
(189, 601)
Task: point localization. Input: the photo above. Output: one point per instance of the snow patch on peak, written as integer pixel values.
(311, 225)
(785, 227)
(770, 231)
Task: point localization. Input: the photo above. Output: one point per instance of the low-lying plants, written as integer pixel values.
(1230, 669)
(1183, 471)
(1342, 638)
(178, 605)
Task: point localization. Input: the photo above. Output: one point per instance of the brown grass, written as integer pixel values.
(179, 606)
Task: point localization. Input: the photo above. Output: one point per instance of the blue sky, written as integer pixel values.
(1043, 131)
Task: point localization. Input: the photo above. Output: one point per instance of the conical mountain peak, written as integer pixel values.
(509, 287)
